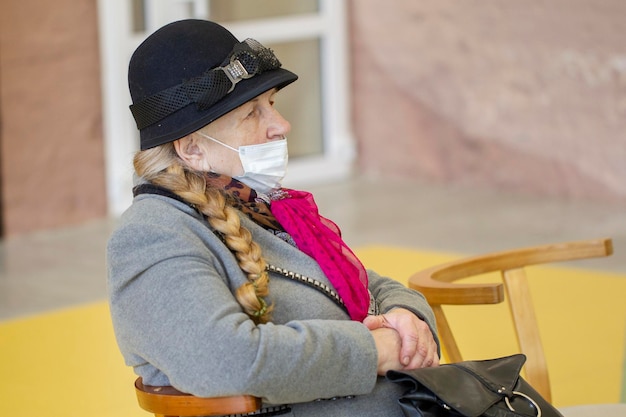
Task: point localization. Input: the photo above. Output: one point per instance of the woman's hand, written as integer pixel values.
(418, 349)
(388, 344)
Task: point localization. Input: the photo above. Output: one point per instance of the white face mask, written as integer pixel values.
(264, 165)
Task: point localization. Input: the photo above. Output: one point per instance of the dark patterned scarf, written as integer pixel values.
(246, 200)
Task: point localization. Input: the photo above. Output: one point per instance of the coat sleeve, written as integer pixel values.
(174, 314)
(390, 294)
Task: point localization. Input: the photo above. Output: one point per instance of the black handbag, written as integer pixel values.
(489, 388)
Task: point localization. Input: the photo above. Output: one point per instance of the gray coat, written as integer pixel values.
(171, 283)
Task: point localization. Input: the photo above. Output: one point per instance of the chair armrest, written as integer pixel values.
(170, 401)
(436, 283)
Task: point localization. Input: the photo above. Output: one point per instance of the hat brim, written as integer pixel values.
(190, 119)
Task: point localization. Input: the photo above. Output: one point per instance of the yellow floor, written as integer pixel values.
(66, 363)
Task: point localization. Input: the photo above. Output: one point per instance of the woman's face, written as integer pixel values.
(254, 122)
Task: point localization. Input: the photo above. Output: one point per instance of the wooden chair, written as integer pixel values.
(169, 402)
(439, 287)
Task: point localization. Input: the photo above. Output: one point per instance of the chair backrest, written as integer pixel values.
(169, 402)
(437, 285)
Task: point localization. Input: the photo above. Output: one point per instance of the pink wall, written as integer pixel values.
(523, 96)
(51, 128)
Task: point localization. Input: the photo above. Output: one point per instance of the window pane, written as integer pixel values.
(300, 102)
(231, 10)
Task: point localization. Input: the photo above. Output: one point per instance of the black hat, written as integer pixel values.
(188, 73)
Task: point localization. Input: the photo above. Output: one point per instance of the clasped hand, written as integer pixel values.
(403, 340)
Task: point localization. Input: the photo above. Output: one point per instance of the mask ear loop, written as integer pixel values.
(204, 135)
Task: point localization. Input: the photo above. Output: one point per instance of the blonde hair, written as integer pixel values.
(162, 166)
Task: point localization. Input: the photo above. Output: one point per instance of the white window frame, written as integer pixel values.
(117, 44)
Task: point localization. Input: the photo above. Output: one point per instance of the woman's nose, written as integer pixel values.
(279, 126)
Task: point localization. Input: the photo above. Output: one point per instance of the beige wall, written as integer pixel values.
(51, 129)
(524, 96)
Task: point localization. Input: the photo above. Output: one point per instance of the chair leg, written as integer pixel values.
(525, 321)
(445, 335)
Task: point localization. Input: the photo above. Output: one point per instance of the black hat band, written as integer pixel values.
(247, 59)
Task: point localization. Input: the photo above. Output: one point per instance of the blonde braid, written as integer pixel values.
(162, 166)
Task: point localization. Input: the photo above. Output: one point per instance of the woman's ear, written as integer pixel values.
(191, 153)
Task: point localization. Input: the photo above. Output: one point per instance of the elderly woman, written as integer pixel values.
(221, 282)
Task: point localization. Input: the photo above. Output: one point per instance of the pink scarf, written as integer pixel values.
(320, 238)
